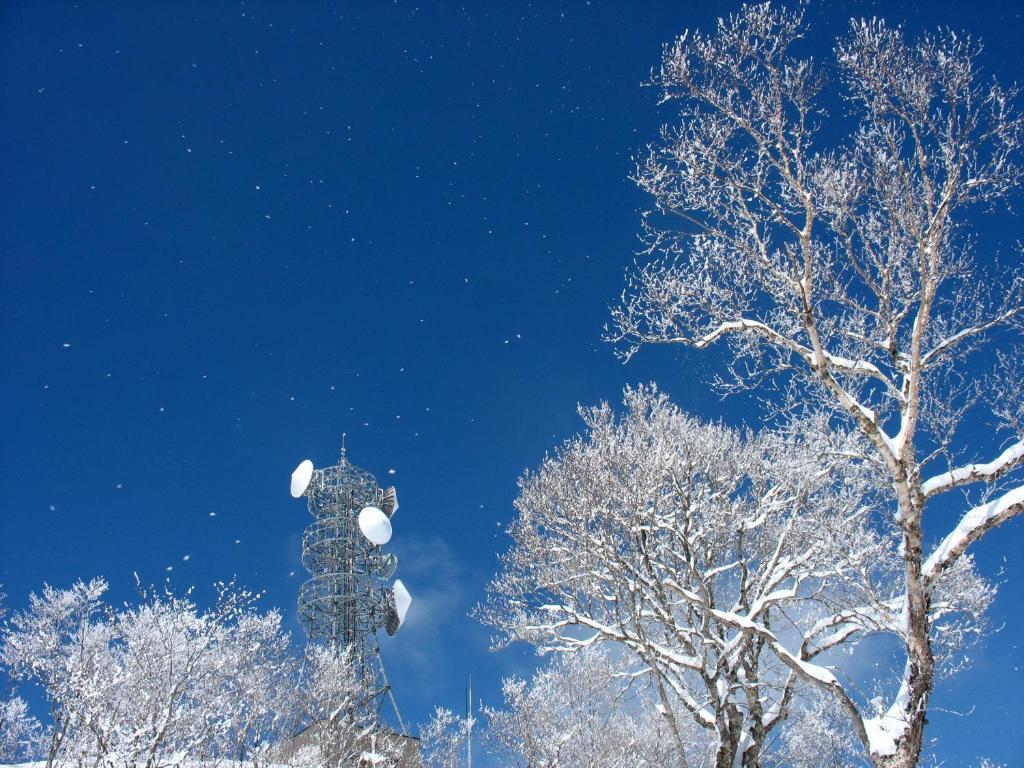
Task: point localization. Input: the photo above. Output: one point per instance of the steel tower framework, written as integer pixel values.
(345, 600)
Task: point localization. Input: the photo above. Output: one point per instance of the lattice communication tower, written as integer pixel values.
(347, 598)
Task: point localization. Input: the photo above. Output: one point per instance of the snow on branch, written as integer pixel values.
(806, 670)
(838, 362)
(972, 526)
(953, 340)
(1008, 460)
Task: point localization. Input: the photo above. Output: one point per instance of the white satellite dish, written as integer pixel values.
(375, 525)
(398, 602)
(402, 600)
(301, 477)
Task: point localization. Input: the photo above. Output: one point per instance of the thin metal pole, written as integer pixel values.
(469, 723)
(391, 695)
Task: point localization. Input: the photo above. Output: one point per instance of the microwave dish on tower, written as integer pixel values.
(375, 526)
(347, 600)
(301, 477)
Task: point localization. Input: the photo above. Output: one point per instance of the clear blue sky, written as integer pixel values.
(232, 231)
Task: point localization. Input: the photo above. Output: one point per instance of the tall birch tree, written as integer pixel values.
(835, 257)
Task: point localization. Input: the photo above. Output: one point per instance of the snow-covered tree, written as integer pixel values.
(20, 732)
(582, 710)
(157, 683)
(676, 542)
(258, 698)
(21, 735)
(839, 264)
(169, 661)
(162, 683)
(443, 739)
(60, 644)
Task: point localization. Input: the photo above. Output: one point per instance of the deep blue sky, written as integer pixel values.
(232, 231)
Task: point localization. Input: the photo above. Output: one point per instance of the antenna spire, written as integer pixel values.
(343, 446)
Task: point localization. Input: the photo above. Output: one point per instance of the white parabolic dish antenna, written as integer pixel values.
(301, 477)
(402, 600)
(375, 525)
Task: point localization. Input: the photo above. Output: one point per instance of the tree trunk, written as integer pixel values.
(920, 660)
(725, 756)
(729, 742)
(752, 756)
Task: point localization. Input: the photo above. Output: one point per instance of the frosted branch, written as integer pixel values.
(972, 526)
(1007, 461)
